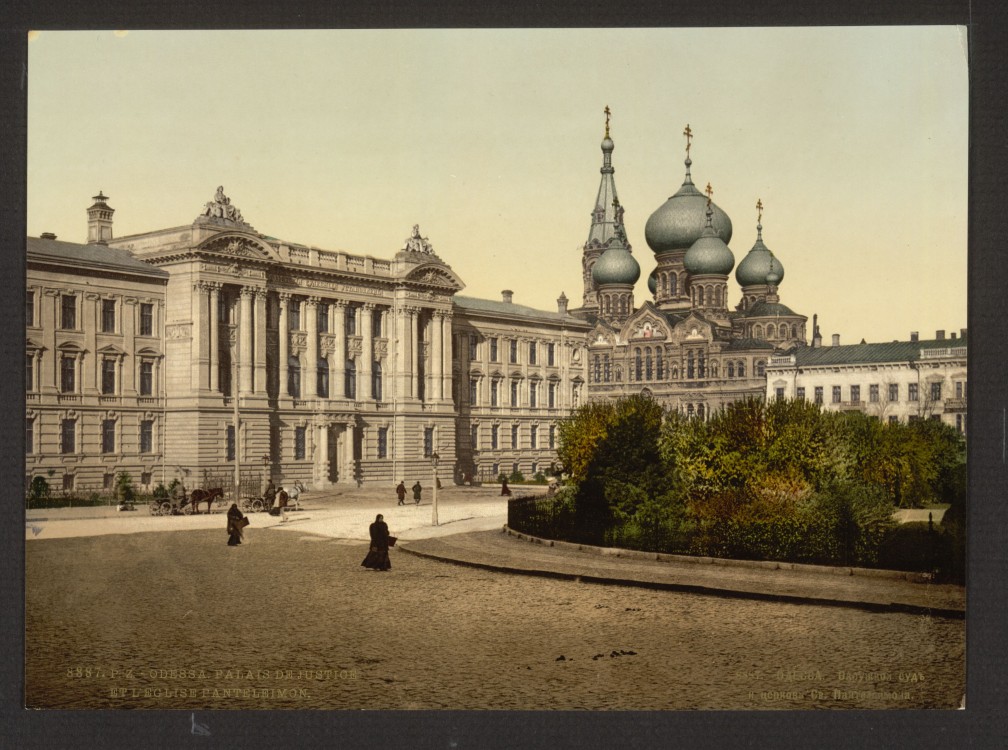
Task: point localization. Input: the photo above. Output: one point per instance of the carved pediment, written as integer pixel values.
(235, 247)
(436, 276)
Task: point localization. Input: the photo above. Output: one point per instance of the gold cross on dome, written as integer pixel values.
(710, 191)
(689, 136)
(607, 113)
(759, 209)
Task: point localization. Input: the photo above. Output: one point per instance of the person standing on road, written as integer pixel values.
(236, 523)
(505, 490)
(417, 489)
(377, 556)
(401, 492)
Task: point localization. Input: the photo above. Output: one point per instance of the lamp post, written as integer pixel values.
(434, 462)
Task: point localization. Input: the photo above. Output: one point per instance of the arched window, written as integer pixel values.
(648, 372)
(731, 369)
(689, 410)
(376, 381)
(675, 372)
(741, 369)
(700, 297)
(605, 368)
(659, 366)
(783, 331)
(294, 377)
(689, 365)
(758, 331)
(794, 331)
(770, 331)
(597, 368)
(350, 386)
(323, 378)
(701, 367)
(672, 285)
(717, 296)
(700, 411)
(760, 368)
(637, 364)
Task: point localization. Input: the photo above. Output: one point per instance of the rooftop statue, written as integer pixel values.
(221, 208)
(417, 244)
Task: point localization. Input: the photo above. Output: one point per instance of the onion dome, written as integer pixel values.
(760, 262)
(616, 266)
(680, 221)
(652, 282)
(709, 254)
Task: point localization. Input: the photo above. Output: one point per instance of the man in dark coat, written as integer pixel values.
(377, 556)
(401, 492)
(417, 489)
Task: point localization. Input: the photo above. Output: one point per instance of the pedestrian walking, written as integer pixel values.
(236, 523)
(417, 489)
(377, 556)
(401, 492)
(505, 490)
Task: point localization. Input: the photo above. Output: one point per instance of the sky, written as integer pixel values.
(854, 139)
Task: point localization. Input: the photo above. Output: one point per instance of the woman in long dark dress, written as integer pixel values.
(235, 524)
(377, 556)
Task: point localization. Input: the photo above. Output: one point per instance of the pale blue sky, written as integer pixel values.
(855, 139)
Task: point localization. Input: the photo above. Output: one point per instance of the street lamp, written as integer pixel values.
(434, 462)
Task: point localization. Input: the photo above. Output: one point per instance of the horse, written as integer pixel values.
(198, 496)
(293, 493)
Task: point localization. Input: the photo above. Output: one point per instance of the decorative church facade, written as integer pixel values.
(173, 352)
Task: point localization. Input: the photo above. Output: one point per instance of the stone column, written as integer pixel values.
(309, 373)
(283, 340)
(215, 337)
(259, 343)
(347, 459)
(412, 338)
(400, 381)
(200, 352)
(446, 358)
(321, 463)
(435, 377)
(90, 323)
(245, 342)
(364, 392)
(337, 373)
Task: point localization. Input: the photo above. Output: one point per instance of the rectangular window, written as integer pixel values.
(800, 393)
(894, 392)
(534, 437)
(68, 312)
(912, 392)
(514, 436)
(323, 318)
(299, 443)
(383, 442)
(494, 392)
(552, 396)
(145, 478)
(108, 316)
(108, 436)
(552, 436)
(818, 394)
(108, 481)
(936, 417)
(294, 314)
(533, 395)
(493, 349)
(146, 319)
(551, 354)
(936, 391)
(893, 420)
(495, 469)
(474, 437)
(351, 320)
(30, 308)
(68, 372)
(108, 368)
(230, 443)
(376, 323)
(147, 436)
(514, 393)
(533, 351)
(959, 389)
(68, 435)
(493, 437)
(873, 395)
(855, 394)
(472, 347)
(473, 386)
(836, 394)
(428, 442)
(29, 435)
(146, 378)
(30, 372)
(513, 351)
(68, 482)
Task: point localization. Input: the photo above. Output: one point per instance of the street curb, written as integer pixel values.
(898, 575)
(726, 593)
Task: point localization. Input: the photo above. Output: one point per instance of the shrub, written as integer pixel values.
(38, 491)
(516, 477)
(125, 492)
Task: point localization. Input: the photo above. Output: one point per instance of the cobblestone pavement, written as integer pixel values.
(870, 589)
(291, 620)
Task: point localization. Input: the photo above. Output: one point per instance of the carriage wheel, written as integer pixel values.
(187, 509)
(166, 509)
(258, 506)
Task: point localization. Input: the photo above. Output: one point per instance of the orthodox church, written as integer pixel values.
(685, 346)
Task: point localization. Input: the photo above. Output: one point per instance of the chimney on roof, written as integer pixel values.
(99, 220)
(913, 336)
(836, 339)
(816, 336)
(506, 295)
(47, 236)
(562, 304)
(962, 333)
(940, 335)
(952, 335)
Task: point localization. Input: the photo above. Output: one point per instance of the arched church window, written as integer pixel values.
(758, 332)
(794, 331)
(700, 297)
(701, 367)
(741, 369)
(596, 368)
(648, 372)
(783, 331)
(700, 411)
(689, 365)
(605, 367)
(760, 368)
(672, 285)
(769, 332)
(731, 369)
(637, 364)
(659, 368)
(689, 410)
(675, 372)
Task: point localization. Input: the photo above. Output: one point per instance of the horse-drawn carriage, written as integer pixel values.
(183, 505)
